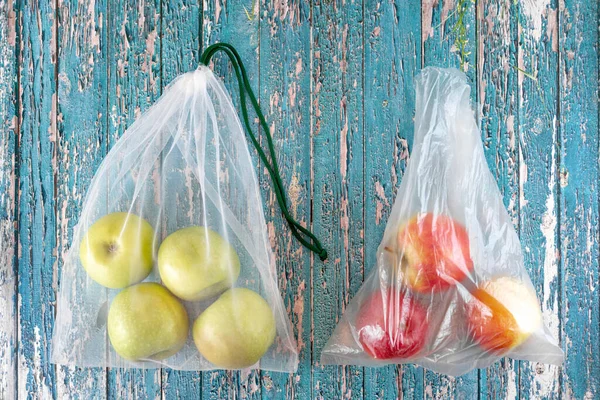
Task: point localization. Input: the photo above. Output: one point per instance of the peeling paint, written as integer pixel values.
(426, 18)
(344, 141)
(294, 192)
(446, 7)
(552, 28)
(299, 313)
(88, 53)
(11, 24)
(534, 11)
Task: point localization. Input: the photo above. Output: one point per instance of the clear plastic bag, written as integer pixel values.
(450, 291)
(176, 202)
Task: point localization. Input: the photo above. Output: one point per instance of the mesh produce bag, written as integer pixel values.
(170, 264)
(449, 291)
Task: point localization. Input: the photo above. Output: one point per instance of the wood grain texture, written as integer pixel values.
(134, 83)
(499, 118)
(81, 117)
(438, 21)
(538, 177)
(36, 217)
(9, 130)
(338, 176)
(336, 82)
(285, 83)
(181, 24)
(392, 59)
(234, 22)
(578, 201)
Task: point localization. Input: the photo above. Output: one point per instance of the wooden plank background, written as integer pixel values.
(336, 82)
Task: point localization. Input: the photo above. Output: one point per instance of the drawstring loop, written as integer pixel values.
(312, 243)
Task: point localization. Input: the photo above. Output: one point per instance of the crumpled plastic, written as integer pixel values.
(450, 291)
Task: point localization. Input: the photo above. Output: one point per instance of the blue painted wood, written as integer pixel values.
(496, 91)
(81, 118)
(181, 25)
(134, 83)
(8, 219)
(234, 22)
(578, 197)
(335, 79)
(392, 59)
(538, 133)
(338, 181)
(285, 98)
(36, 216)
(439, 19)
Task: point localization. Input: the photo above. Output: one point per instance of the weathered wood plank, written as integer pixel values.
(392, 59)
(235, 22)
(134, 83)
(338, 171)
(81, 117)
(538, 176)
(439, 18)
(37, 224)
(9, 130)
(181, 35)
(578, 201)
(497, 93)
(285, 98)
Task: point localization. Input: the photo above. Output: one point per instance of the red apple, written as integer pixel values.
(391, 324)
(502, 313)
(435, 252)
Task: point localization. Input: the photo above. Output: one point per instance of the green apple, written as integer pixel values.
(146, 321)
(118, 250)
(196, 263)
(236, 330)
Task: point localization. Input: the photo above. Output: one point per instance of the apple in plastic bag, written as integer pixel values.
(435, 253)
(196, 263)
(236, 330)
(502, 314)
(145, 321)
(391, 324)
(118, 250)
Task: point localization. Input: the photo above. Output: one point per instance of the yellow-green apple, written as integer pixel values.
(146, 321)
(391, 324)
(196, 263)
(236, 330)
(118, 250)
(435, 253)
(502, 313)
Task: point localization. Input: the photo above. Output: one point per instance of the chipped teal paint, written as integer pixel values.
(497, 92)
(578, 196)
(338, 180)
(336, 82)
(134, 83)
(8, 218)
(35, 203)
(392, 58)
(181, 46)
(437, 23)
(285, 76)
(81, 143)
(235, 22)
(538, 179)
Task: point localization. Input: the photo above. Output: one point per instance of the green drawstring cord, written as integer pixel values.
(244, 86)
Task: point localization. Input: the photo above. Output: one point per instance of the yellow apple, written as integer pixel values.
(236, 330)
(118, 250)
(196, 263)
(503, 313)
(146, 321)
